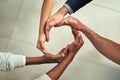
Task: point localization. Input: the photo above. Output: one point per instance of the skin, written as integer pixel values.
(46, 20)
(54, 20)
(64, 57)
(70, 51)
(46, 58)
(45, 14)
(107, 47)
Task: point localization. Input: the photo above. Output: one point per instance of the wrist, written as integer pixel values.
(70, 11)
(41, 31)
(70, 57)
(63, 11)
(82, 27)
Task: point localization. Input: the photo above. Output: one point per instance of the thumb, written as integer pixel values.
(75, 33)
(47, 31)
(63, 22)
(57, 56)
(42, 48)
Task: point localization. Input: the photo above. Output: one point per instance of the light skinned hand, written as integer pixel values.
(40, 44)
(52, 22)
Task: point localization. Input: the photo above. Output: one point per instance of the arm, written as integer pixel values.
(107, 47)
(55, 19)
(9, 61)
(73, 48)
(47, 58)
(45, 14)
(70, 52)
(69, 7)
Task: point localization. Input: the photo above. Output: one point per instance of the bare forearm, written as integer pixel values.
(45, 13)
(107, 47)
(34, 60)
(57, 71)
(63, 11)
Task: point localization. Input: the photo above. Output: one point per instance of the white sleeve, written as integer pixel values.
(9, 61)
(44, 77)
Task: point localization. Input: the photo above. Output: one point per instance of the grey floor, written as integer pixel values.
(19, 26)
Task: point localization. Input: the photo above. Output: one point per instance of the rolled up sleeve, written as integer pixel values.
(9, 61)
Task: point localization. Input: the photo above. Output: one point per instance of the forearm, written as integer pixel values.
(45, 13)
(63, 11)
(34, 60)
(107, 47)
(57, 71)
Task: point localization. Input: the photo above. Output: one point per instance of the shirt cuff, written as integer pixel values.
(68, 8)
(44, 77)
(17, 61)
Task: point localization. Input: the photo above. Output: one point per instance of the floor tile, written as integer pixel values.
(82, 70)
(27, 25)
(9, 10)
(3, 44)
(112, 4)
(18, 47)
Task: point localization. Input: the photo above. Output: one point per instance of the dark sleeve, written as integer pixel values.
(77, 4)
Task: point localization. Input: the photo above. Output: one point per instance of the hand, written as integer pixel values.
(73, 22)
(50, 58)
(76, 45)
(41, 42)
(54, 20)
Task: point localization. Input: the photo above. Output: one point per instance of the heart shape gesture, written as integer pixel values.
(70, 21)
(57, 42)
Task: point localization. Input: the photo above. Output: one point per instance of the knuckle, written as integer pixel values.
(70, 17)
(47, 29)
(48, 21)
(82, 42)
(75, 44)
(49, 24)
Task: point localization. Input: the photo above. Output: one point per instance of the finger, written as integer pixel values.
(75, 32)
(78, 37)
(38, 46)
(67, 51)
(41, 46)
(47, 29)
(69, 47)
(56, 57)
(63, 51)
(49, 24)
(79, 41)
(63, 22)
